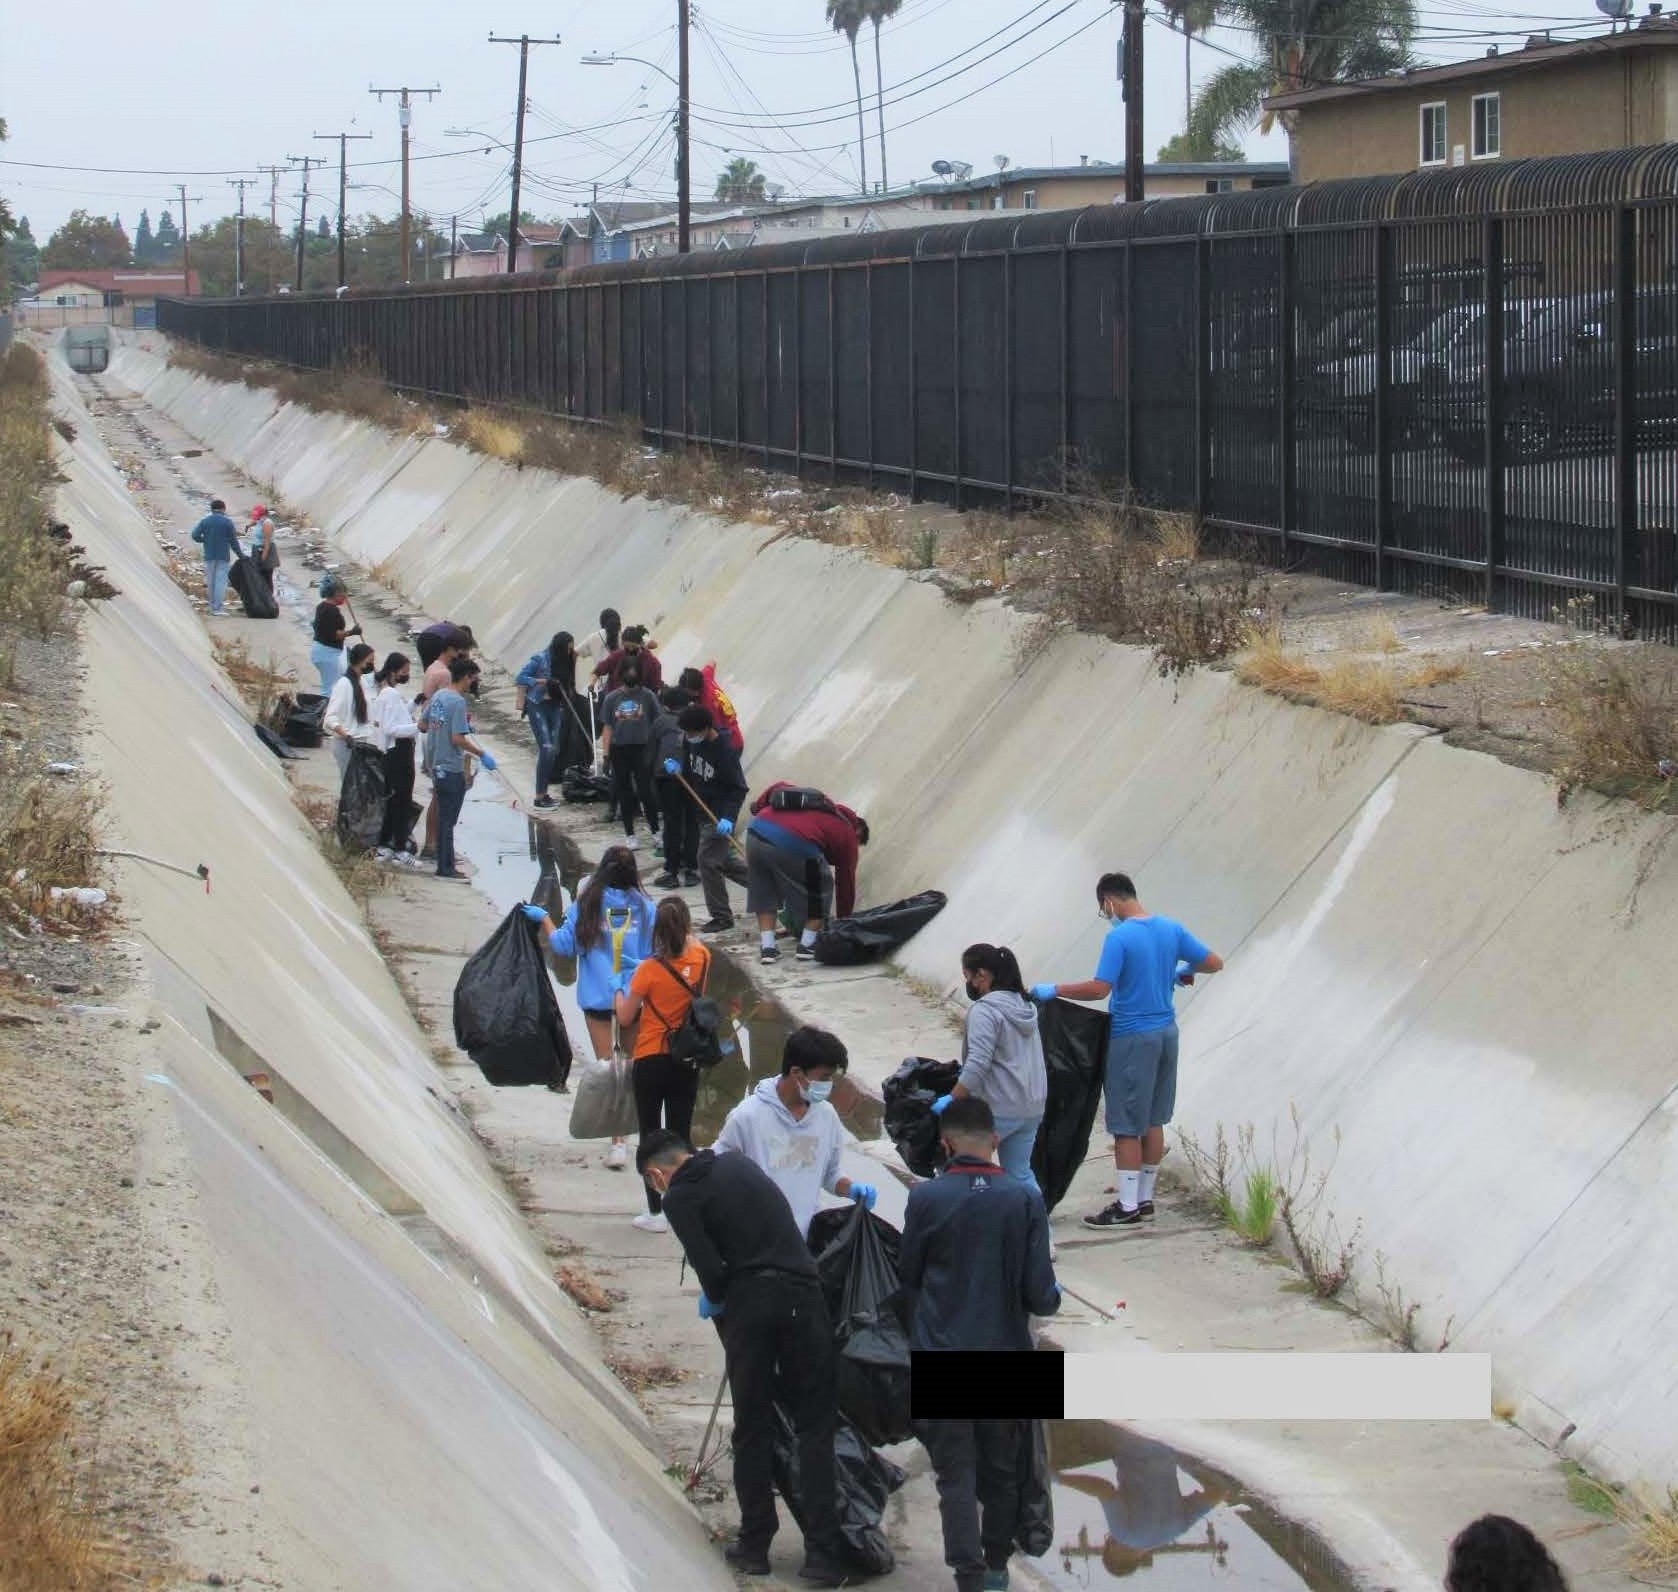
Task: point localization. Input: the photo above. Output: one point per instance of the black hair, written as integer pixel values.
(467, 639)
(1115, 884)
(674, 698)
(357, 654)
(814, 1047)
(1497, 1554)
(618, 870)
(696, 718)
(691, 679)
(967, 1117)
(636, 634)
(394, 664)
(612, 625)
(999, 962)
(562, 662)
(629, 673)
(660, 1148)
(461, 669)
(672, 924)
(860, 825)
(217, 506)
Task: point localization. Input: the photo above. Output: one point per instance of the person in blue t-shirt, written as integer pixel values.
(219, 538)
(1143, 959)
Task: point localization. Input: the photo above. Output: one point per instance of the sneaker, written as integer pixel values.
(1115, 1215)
(617, 1157)
(648, 1223)
(823, 1569)
(544, 800)
(768, 954)
(1146, 1210)
(690, 880)
(665, 881)
(717, 926)
(383, 854)
(631, 843)
(996, 1580)
(804, 953)
(746, 1559)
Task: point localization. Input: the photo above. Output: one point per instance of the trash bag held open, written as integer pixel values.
(604, 1103)
(909, 1093)
(361, 799)
(857, 1262)
(506, 1016)
(863, 1481)
(867, 936)
(1075, 1050)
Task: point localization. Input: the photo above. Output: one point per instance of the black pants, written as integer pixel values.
(632, 787)
(978, 1465)
(779, 1343)
(681, 827)
(399, 794)
(665, 1091)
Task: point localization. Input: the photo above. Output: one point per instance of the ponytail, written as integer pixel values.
(613, 626)
(358, 654)
(999, 962)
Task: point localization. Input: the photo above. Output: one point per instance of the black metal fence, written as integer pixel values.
(1425, 384)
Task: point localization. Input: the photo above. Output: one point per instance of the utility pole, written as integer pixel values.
(1133, 101)
(684, 201)
(454, 225)
(272, 173)
(305, 161)
(186, 240)
(523, 41)
(241, 183)
(343, 188)
(405, 115)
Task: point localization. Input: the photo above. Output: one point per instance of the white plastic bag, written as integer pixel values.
(603, 1102)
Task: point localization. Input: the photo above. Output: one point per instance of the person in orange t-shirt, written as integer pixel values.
(658, 997)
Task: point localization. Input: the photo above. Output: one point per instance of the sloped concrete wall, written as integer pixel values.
(1466, 987)
(426, 1407)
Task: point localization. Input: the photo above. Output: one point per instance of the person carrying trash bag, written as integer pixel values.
(801, 857)
(975, 1267)
(762, 1291)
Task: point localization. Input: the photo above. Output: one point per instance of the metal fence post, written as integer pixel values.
(868, 367)
(768, 388)
(1285, 387)
(739, 373)
(798, 371)
(1625, 410)
(1383, 403)
(914, 390)
(1201, 343)
(1492, 394)
(955, 364)
(832, 388)
(1065, 363)
(1008, 382)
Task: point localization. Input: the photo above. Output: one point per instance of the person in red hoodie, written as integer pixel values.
(801, 855)
(636, 646)
(701, 685)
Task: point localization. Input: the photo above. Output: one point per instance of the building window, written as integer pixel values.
(1220, 185)
(1031, 198)
(1433, 134)
(1488, 126)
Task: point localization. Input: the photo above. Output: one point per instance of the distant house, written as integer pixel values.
(1093, 182)
(1548, 97)
(542, 247)
(113, 297)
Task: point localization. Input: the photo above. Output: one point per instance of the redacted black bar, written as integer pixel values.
(961, 1386)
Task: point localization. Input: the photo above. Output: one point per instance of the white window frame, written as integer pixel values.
(1474, 151)
(1030, 199)
(1444, 134)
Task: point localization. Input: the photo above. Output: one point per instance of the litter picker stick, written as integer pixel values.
(699, 802)
(705, 1442)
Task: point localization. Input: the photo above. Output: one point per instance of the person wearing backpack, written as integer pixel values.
(627, 745)
(801, 856)
(661, 993)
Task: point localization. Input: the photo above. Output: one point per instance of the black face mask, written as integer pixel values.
(973, 991)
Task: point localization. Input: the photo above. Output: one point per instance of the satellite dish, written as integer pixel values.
(1618, 10)
(942, 168)
(1001, 162)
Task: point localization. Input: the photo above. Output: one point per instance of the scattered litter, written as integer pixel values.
(63, 768)
(1667, 768)
(439, 429)
(79, 895)
(95, 1011)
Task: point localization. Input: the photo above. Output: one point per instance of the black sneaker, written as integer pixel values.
(1146, 1210)
(544, 800)
(805, 953)
(717, 926)
(824, 1569)
(742, 1556)
(665, 881)
(1115, 1215)
(769, 953)
(689, 879)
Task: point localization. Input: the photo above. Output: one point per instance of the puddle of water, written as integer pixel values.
(1129, 1508)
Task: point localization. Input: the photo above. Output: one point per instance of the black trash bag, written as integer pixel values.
(1075, 1049)
(858, 1269)
(273, 742)
(361, 799)
(1034, 1533)
(505, 1014)
(246, 579)
(582, 784)
(867, 936)
(302, 719)
(909, 1093)
(863, 1481)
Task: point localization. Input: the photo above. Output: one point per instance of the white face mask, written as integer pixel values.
(815, 1092)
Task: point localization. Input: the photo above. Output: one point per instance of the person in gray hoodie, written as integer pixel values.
(1002, 1056)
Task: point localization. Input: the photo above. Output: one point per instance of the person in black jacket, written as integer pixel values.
(975, 1268)
(712, 769)
(761, 1288)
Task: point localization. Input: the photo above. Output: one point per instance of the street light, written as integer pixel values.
(684, 204)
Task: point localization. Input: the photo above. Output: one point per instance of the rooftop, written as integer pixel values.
(120, 280)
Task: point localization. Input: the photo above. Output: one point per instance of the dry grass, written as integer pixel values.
(583, 1288)
(643, 1376)
(1652, 1521)
(1615, 712)
(33, 571)
(50, 1536)
(484, 432)
(1269, 665)
(1371, 689)
(358, 871)
(260, 683)
(1382, 636)
(49, 836)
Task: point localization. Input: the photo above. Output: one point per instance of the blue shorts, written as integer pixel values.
(1141, 1081)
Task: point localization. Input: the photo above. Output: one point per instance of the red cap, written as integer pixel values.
(259, 512)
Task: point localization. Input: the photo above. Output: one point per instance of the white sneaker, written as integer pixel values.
(384, 854)
(617, 1157)
(648, 1223)
(631, 843)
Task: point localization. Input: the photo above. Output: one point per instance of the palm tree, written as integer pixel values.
(741, 183)
(1192, 16)
(847, 17)
(878, 12)
(1300, 44)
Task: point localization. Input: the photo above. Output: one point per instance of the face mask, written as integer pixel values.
(694, 740)
(815, 1092)
(973, 991)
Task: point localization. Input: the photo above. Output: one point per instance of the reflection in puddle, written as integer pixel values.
(1129, 1507)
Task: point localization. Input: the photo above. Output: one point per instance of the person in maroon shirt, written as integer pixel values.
(636, 646)
(804, 861)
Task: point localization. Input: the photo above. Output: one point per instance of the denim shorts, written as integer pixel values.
(1141, 1081)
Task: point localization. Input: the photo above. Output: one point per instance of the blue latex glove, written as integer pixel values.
(488, 761)
(535, 914)
(941, 1104)
(1042, 992)
(1185, 973)
(864, 1194)
(725, 826)
(620, 981)
(707, 1310)
(671, 766)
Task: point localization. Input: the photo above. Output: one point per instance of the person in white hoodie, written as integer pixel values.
(788, 1126)
(1002, 1056)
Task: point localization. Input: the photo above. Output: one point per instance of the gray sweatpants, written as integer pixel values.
(778, 878)
(718, 862)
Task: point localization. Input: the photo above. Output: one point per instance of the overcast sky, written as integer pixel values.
(205, 91)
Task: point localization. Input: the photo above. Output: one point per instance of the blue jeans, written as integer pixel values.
(450, 786)
(1013, 1154)
(215, 577)
(540, 716)
(329, 663)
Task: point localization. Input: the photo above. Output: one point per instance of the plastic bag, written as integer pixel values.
(604, 1107)
(867, 936)
(1075, 1049)
(300, 719)
(246, 579)
(863, 1481)
(1034, 1531)
(582, 784)
(361, 799)
(505, 1014)
(909, 1093)
(858, 1270)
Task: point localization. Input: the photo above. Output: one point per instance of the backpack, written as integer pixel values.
(699, 1041)
(799, 799)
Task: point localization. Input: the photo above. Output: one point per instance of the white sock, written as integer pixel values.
(1130, 1184)
(807, 938)
(1149, 1173)
(767, 939)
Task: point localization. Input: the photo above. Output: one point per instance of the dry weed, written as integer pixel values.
(1369, 689)
(1616, 716)
(1269, 665)
(1361, 689)
(33, 567)
(261, 684)
(583, 1288)
(49, 837)
(643, 1376)
(1177, 537)
(485, 432)
(1652, 1521)
(1382, 636)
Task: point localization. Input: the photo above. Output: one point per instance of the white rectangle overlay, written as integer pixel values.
(1278, 1387)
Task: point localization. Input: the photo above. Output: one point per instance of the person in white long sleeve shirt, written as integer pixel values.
(349, 716)
(393, 721)
(788, 1126)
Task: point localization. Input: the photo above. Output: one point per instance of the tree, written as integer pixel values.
(145, 245)
(878, 12)
(1192, 16)
(1300, 44)
(741, 183)
(86, 242)
(22, 256)
(323, 227)
(166, 241)
(1184, 148)
(847, 17)
(7, 225)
